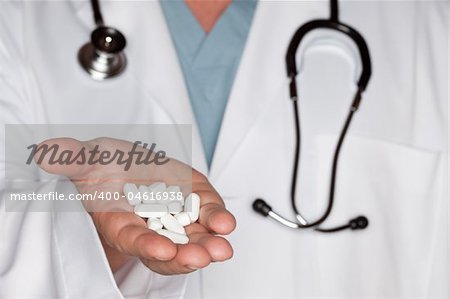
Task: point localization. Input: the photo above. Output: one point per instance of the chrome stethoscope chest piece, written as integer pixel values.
(103, 56)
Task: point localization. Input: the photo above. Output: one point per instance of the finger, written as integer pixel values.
(129, 234)
(58, 156)
(218, 248)
(213, 214)
(190, 257)
(216, 218)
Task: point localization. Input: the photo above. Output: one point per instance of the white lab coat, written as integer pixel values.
(393, 167)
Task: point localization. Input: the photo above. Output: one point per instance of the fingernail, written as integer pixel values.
(192, 267)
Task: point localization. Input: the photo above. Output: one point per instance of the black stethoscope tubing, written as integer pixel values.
(259, 205)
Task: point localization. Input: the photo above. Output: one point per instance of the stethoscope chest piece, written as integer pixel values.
(103, 56)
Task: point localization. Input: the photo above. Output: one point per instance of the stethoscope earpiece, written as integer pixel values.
(103, 56)
(261, 207)
(360, 222)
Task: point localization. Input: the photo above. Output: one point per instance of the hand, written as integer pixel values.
(124, 234)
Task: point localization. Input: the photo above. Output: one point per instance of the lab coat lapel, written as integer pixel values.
(162, 75)
(259, 76)
(152, 59)
(156, 62)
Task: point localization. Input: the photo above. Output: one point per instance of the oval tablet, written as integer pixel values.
(145, 194)
(175, 189)
(183, 218)
(174, 237)
(157, 187)
(174, 193)
(192, 206)
(172, 224)
(174, 207)
(150, 210)
(154, 224)
(130, 191)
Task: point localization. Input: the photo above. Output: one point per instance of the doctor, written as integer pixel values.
(393, 167)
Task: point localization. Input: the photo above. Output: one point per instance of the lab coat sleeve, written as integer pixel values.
(40, 252)
(52, 254)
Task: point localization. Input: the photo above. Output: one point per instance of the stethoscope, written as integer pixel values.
(103, 58)
(333, 23)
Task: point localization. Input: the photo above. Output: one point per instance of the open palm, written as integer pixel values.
(125, 235)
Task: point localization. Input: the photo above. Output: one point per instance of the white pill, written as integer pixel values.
(154, 223)
(150, 210)
(174, 237)
(183, 218)
(143, 189)
(174, 207)
(174, 193)
(175, 189)
(192, 206)
(172, 224)
(156, 192)
(150, 196)
(157, 187)
(131, 192)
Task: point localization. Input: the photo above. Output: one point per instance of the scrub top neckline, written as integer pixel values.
(199, 46)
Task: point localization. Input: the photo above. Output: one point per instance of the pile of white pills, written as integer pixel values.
(166, 209)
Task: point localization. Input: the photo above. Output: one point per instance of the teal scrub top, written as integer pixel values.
(209, 61)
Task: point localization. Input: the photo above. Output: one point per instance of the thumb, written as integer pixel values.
(61, 156)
